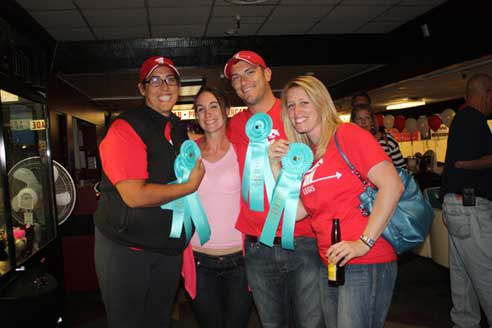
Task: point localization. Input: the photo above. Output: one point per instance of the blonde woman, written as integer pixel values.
(330, 190)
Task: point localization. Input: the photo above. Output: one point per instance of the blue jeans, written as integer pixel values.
(363, 301)
(222, 298)
(285, 283)
(470, 259)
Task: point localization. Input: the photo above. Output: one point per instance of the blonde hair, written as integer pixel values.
(322, 102)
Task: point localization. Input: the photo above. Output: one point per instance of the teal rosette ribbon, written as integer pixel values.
(187, 210)
(257, 173)
(285, 196)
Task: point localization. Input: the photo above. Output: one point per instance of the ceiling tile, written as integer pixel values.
(359, 14)
(433, 3)
(335, 28)
(167, 31)
(279, 29)
(231, 11)
(36, 5)
(115, 17)
(232, 20)
(181, 3)
(218, 30)
(369, 2)
(112, 33)
(293, 14)
(379, 27)
(227, 3)
(98, 4)
(71, 34)
(309, 2)
(178, 16)
(59, 19)
(404, 13)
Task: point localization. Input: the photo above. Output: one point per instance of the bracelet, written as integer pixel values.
(368, 241)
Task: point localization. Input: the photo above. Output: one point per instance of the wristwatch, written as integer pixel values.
(368, 241)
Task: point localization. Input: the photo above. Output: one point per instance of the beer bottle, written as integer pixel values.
(336, 273)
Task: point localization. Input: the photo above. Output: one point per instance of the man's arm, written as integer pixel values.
(483, 162)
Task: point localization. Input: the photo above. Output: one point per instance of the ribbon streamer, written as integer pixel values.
(187, 210)
(257, 172)
(285, 198)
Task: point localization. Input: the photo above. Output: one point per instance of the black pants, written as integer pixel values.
(138, 287)
(222, 298)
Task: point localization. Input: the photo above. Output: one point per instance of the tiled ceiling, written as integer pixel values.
(76, 20)
(69, 21)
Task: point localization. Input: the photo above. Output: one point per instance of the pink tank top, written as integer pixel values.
(219, 194)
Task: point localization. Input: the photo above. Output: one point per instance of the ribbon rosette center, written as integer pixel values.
(187, 210)
(285, 196)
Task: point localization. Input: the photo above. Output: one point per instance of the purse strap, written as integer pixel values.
(352, 168)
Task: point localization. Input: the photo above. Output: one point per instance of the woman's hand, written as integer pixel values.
(344, 251)
(276, 151)
(196, 175)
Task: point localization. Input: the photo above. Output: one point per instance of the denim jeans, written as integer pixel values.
(285, 283)
(470, 259)
(222, 298)
(363, 301)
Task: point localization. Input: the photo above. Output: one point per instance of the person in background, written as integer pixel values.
(467, 207)
(360, 98)
(222, 297)
(284, 283)
(363, 115)
(310, 116)
(138, 265)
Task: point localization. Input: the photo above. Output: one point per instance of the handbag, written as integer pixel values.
(413, 216)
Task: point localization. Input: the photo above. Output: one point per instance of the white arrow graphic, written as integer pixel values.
(336, 175)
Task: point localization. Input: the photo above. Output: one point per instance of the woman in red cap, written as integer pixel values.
(138, 265)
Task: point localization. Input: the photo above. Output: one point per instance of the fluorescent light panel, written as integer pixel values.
(8, 97)
(182, 107)
(189, 90)
(407, 104)
(190, 86)
(344, 117)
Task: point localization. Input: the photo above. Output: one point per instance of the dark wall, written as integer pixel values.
(64, 104)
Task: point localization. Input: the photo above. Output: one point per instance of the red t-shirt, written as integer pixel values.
(330, 190)
(251, 222)
(123, 153)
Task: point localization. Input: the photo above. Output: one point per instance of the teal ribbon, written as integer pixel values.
(187, 210)
(285, 198)
(257, 173)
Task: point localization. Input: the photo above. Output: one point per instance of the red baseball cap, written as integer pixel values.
(250, 57)
(152, 63)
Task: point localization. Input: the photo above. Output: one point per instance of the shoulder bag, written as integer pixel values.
(413, 216)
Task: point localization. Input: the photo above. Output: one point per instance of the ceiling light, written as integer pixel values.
(182, 107)
(189, 90)
(8, 97)
(406, 104)
(190, 86)
(344, 117)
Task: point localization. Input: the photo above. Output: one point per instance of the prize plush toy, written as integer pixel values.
(4, 257)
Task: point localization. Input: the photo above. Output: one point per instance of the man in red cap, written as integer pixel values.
(284, 283)
(138, 265)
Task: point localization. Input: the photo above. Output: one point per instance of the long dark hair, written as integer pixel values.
(219, 95)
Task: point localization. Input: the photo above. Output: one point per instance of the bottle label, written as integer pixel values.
(332, 272)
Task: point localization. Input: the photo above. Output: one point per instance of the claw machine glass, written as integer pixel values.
(27, 214)
(28, 225)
